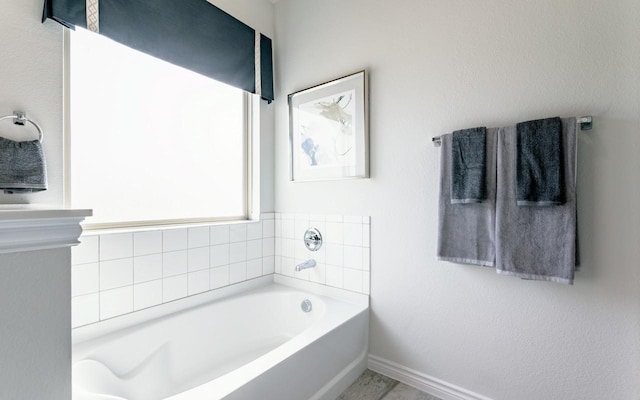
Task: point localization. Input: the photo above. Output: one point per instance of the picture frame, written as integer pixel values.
(329, 130)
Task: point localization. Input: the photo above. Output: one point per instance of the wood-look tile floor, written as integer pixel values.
(373, 386)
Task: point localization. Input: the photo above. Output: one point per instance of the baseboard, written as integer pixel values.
(418, 380)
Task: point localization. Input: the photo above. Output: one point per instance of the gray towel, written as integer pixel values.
(540, 179)
(468, 166)
(22, 166)
(466, 232)
(536, 242)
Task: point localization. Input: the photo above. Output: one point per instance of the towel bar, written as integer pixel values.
(20, 118)
(586, 123)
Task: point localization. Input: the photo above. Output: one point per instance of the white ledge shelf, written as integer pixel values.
(28, 228)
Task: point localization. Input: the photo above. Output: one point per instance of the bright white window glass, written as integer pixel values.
(150, 141)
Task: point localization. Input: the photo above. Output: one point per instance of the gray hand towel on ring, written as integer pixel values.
(466, 231)
(22, 166)
(536, 242)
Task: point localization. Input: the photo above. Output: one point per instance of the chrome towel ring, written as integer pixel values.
(20, 118)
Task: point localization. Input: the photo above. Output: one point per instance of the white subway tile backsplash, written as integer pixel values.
(219, 255)
(288, 228)
(300, 227)
(87, 251)
(175, 239)
(175, 263)
(278, 264)
(353, 234)
(288, 266)
(198, 237)
(219, 234)
(278, 228)
(238, 233)
(353, 279)
(198, 259)
(318, 274)
(353, 257)
(335, 254)
(219, 277)
(316, 217)
(254, 268)
(254, 249)
(254, 230)
(334, 276)
(198, 282)
(175, 287)
(147, 243)
(85, 309)
(268, 247)
(116, 273)
(268, 265)
(366, 235)
(147, 268)
(267, 215)
(237, 252)
(319, 225)
(334, 232)
(301, 251)
(147, 294)
(288, 248)
(366, 259)
(85, 279)
(238, 272)
(116, 246)
(268, 228)
(352, 219)
(116, 302)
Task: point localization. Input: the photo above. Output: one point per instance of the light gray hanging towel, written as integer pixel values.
(22, 166)
(466, 232)
(536, 242)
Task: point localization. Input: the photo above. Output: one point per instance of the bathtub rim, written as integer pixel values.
(105, 327)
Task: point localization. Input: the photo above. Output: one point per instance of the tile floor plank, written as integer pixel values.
(373, 386)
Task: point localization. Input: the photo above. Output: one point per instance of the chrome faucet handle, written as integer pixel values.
(313, 239)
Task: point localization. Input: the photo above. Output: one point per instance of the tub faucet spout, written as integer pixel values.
(306, 265)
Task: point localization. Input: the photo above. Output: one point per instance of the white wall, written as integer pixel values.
(31, 81)
(436, 66)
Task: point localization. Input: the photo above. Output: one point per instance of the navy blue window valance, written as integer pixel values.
(193, 34)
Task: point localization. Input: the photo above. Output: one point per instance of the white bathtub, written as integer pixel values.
(258, 344)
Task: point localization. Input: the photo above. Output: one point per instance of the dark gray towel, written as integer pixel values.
(540, 177)
(536, 242)
(466, 232)
(468, 166)
(22, 166)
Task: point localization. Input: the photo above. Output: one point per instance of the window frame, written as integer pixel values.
(251, 163)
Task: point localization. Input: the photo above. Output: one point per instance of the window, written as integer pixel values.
(149, 142)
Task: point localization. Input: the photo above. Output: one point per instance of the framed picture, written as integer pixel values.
(328, 130)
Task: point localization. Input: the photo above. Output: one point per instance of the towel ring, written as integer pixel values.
(20, 118)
